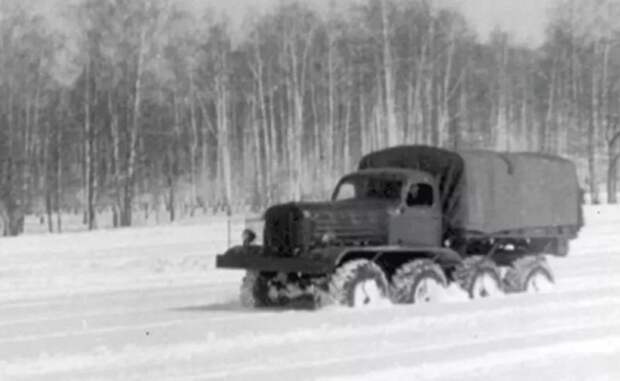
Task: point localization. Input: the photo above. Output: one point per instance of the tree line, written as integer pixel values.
(137, 106)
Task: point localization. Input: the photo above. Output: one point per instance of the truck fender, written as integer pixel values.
(443, 256)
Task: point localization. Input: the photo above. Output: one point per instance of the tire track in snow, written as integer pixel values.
(446, 359)
(488, 359)
(177, 327)
(124, 301)
(327, 336)
(443, 360)
(39, 292)
(403, 312)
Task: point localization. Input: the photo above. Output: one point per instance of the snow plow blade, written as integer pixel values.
(255, 258)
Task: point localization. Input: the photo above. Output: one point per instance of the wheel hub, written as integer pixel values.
(367, 293)
(538, 282)
(485, 286)
(427, 290)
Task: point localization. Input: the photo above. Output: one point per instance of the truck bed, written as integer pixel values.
(518, 191)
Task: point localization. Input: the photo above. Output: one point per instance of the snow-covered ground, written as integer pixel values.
(147, 304)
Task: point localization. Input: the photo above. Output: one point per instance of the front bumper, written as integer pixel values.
(258, 259)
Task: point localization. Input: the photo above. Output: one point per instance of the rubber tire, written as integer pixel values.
(472, 268)
(255, 290)
(348, 275)
(409, 275)
(519, 274)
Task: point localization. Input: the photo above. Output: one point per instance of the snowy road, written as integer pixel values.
(146, 304)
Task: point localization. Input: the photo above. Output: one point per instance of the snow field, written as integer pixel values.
(147, 303)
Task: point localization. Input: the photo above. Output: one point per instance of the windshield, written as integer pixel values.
(359, 187)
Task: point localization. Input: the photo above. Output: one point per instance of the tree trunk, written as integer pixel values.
(47, 145)
(258, 163)
(546, 141)
(224, 161)
(173, 159)
(365, 145)
(126, 215)
(444, 111)
(347, 134)
(193, 150)
(88, 152)
(269, 143)
(116, 163)
(319, 166)
(612, 179)
(331, 128)
(592, 138)
(501, 133)
(59, 164)
(612, 168)
(418, 114)
(393, 135)
(273, 133)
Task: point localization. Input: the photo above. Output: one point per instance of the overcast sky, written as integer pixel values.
(524, 18)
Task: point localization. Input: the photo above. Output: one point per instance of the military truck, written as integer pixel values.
(411, 221)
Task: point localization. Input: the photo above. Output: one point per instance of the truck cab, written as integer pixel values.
(415, 218)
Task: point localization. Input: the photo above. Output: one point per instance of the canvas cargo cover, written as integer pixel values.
(489, 192)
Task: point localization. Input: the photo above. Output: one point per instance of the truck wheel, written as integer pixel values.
(255, 291)
(418, 281)
(479, 277)
(539, 280)
(529, 274)
(359, 283)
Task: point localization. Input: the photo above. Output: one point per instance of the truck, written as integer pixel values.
(411, 221)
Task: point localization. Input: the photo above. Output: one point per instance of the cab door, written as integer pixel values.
(417, 221)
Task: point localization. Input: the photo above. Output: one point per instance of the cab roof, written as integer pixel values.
(404, 173)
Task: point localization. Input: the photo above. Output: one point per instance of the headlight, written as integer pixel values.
(247, 237)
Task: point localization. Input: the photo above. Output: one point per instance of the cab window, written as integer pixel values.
(363, 187)
(420, 194)
(346, 191)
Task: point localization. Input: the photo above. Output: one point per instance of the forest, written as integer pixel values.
(115, 110)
